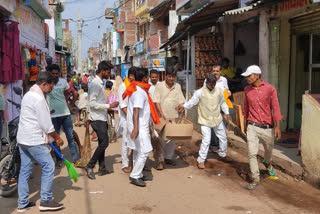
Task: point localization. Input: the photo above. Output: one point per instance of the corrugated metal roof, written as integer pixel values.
(238, 11)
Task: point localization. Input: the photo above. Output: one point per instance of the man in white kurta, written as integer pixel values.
(122, 124)
(210, 101)
(141, 143)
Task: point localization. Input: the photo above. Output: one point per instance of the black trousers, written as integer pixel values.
(101, 128)
(214, 144)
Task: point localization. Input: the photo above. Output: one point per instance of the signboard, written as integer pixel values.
(124, 70)
(31, 27)
(154, 42)
(292, 4)
(180, 3)
(157, 63)
(139, 6)
(139, 48)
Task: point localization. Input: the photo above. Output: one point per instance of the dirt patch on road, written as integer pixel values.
(141, 209)
(286, 189)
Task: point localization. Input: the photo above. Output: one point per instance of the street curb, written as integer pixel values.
(279, 161)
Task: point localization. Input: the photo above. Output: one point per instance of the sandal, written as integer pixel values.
(252, 186)
(271, 171)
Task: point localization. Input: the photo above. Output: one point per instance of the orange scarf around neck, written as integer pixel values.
(145, 86)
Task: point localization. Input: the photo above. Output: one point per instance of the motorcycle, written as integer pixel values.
(9, 153)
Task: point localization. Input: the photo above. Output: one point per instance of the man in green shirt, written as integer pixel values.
(61, 114)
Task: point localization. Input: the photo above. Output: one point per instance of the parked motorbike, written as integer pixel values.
(9, 154)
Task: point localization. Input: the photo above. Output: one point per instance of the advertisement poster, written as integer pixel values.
(140, 6)
(124, 70)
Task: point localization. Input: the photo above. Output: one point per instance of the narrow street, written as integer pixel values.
(180, 189)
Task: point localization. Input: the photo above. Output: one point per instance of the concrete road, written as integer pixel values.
(181, 189)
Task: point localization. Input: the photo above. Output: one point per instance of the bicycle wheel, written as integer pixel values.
(8, 183)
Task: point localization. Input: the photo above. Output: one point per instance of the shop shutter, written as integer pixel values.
(309, 23)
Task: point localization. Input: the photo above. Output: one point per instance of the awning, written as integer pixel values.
(40, 9)
(200, 19)
(161, 9)
(252, 5)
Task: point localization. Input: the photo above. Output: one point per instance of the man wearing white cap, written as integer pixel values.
(261, 109)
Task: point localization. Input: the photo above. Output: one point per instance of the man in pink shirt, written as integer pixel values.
(261, 109)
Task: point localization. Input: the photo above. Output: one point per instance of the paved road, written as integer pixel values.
(183, 189)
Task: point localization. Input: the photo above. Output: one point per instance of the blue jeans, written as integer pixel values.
(66, 123)
(42, 155)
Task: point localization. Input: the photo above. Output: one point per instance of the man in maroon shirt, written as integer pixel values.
(261, 109)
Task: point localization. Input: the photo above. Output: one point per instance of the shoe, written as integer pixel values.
(201, 165)
(78, 164)
(22, 210)
(225, 159)
(126, 169)
(146, 178)
(50, 206)
(103, 172)
(160, 166)
(90, 173)
(138, 182)
(170, 162)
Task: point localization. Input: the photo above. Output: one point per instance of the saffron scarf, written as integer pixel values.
(126, 82)
(145, 86)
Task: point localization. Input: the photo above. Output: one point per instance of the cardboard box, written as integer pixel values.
(177, 130)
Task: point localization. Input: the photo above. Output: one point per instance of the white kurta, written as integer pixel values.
(139, 99)
(122, 126)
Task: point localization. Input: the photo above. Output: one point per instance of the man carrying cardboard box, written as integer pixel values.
(168, 96)
(210, 101)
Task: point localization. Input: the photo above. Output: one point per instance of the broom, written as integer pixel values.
(73, 174)
(86, 148)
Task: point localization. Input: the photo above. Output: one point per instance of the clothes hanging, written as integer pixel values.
(11, 64)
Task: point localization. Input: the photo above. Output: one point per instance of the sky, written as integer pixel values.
(93, 29)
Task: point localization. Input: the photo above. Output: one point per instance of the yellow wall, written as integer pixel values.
(310, 145)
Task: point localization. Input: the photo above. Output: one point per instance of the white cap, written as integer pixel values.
(253, 69)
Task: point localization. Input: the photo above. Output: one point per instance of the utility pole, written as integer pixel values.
(79, 58)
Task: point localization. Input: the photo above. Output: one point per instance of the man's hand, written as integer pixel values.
(228, 117)
(134, 134)
(180, 108)
(162, 115)
(114, 104)
(59, 142)
(277, 133)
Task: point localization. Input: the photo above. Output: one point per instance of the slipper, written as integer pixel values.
(271, 171)
(252, 186)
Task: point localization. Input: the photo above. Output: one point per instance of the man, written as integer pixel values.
(227, 71)
(61, 114)
(154, 80)
(261, 109)
(140, 106)
(211, 101)
(35, 127)
(122, 124)
(98, 116)
(222, 83)
(167, 96)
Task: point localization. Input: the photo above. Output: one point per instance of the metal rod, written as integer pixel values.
(188, 65)
(310, 64)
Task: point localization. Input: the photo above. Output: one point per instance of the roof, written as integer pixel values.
(162, 8)
(200, 19)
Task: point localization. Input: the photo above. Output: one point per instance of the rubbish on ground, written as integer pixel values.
(190, 176)
(275, 178)
(97, 192)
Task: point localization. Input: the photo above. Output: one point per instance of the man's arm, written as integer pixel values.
(93, 94)
(224, 106)
(277, 117)
(192, 102)
(135, 117)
